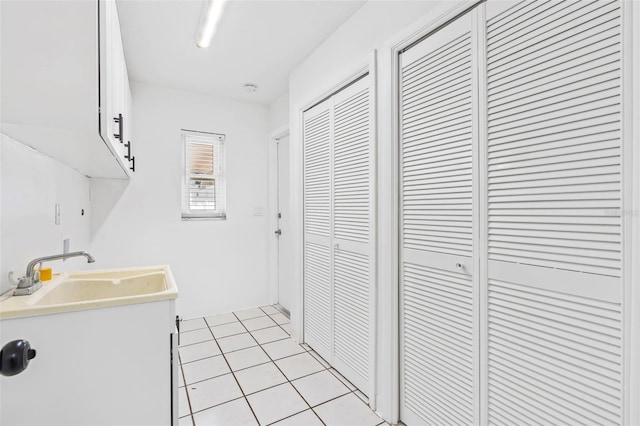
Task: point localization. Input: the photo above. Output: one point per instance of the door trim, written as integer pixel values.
(272, 210)
(631, 207)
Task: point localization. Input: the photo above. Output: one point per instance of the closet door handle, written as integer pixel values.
(133, 164)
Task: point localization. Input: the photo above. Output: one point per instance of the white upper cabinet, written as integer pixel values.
(63, 80)
(115, 95)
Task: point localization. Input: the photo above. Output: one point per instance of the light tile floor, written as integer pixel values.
(242, 368)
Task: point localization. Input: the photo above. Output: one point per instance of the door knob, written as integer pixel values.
(459, 266)
(15, 357)
(278, 232)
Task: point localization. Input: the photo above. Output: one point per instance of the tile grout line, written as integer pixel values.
(310, 351)
(185, 391)
(292, 415)
(216, 405)
(246, 368)
(230, 372)
(206, 357)
(273, 386)
(307, 349)
(279, 325)
(184, 381)
(233, 374)
(342, 380)
(279, 384)
(298, 378)
(236, 334)
(215, 340)
(288, 381)
(241, 389)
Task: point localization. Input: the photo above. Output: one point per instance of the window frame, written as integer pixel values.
(217, 141)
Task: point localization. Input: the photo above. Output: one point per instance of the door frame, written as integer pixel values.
(631, 207)
(272, 210)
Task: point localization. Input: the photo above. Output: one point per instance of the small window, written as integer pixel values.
(203, 188)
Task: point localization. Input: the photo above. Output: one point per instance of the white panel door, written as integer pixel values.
(353, 271)
(554, 330)
(438, 301)
(318, 291)
(285, 282)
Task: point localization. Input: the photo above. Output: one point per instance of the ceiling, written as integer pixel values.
(257, 42)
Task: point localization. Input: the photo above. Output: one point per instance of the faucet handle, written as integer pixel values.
(13, 281)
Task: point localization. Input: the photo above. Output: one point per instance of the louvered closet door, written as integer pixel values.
(353, 274)
(317, 228)
(438, 309)
(554, 198)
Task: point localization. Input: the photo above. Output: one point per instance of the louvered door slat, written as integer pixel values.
(574, 157)
(316, 169)
(535, 34)
(438, 343)
(554, 327)
(317, 291)
(352, 311)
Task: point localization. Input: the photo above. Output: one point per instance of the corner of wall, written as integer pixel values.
(32, 185)
(279, 113)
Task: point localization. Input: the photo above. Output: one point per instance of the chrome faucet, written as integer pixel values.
(31, 281)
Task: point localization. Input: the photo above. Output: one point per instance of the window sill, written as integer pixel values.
(191, 217)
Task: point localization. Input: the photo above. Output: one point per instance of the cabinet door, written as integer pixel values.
(128, 142)
(554, 331)
(113, 83)
(117, 73)
(318, 291)
(438, 224)
(353, 239)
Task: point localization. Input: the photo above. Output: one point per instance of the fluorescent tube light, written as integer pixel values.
(209, 18)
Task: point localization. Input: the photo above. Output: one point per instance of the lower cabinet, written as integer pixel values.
(110, 366)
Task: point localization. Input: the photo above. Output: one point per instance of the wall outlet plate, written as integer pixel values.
(57, 214)
(66, 245)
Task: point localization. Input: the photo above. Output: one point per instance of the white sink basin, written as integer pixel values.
(89, 290)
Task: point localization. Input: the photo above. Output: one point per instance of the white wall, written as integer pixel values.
(32, 184)
(371, 28)
(219, 265)
(279, 112)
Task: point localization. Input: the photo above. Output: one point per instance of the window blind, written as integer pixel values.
(203, 193)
